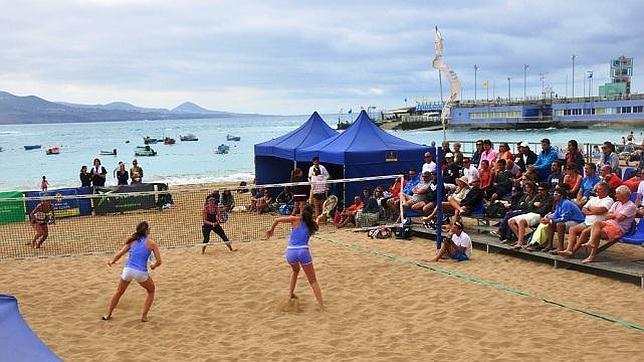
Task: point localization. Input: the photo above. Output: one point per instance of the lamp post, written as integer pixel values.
(573, 75)
(590, 83)
(525, 76)
(509, 87)
(476, 68)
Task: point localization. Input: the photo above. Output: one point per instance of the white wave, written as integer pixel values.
(202, 179)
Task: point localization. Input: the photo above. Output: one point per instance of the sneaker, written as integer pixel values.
(495, 233)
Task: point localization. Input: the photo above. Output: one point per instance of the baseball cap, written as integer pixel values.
(545, 140)
(427, 154)
(449, 154)
(525, 144)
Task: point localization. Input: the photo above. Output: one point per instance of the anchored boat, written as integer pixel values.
(222, 149)
(32, 147)
(108, 153)
(147, 140)
(230, 137)
(169, 141)
(144, 151)
(53, 150)
(188, 137)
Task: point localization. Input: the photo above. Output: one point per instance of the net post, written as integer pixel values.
(439, 198)
(402, 182)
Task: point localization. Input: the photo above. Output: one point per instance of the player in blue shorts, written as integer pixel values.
(298, 254)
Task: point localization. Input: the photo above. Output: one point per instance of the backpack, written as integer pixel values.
(285, 209)
(380, 233)
(495, 210)
(403, 232)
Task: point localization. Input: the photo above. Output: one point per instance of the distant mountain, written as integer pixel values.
(189, 107)
(32, 109)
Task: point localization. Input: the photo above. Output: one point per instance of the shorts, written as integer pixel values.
(531, 218)
(459, 256)
(320, 197)
(419, 198)
(300, 256)
(130, 274)
(612, 230)
(570, 224)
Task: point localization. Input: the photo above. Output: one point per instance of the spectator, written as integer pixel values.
(530, 174)
(458, 155)
(488, 154)
(472, 200)
(595, 210)
(573, 180)
(98, 174)
(639, 200)
(316, 165)
(608, 176)
(469, 170)
(545, 159)
(513, 168)
(608, 157)
(85, 177)
(349, 213)
(519, 207)
(615, 225)
(454, 200)
(458, 246)
(476, 156)
(420, 193)
(452, 170)
(525, 157)
(121, 175)
(502, 182)
(429, 165)
(370, 213)
(565, 215)
(556, 177)
(262, 203)
(44, 184)
(596, 152)
(504, 152)
(391, 202)
(444, 151)
(587, 184)
(300, 192)
(136, 172)
(573, 156)
(633, 182)
(227, 200)
(319, 190)
(541, 206)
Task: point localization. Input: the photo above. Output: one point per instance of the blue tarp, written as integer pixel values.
(17, 341)
(275, 159)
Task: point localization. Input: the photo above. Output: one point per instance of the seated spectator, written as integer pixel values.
(227, 200)
(513, 168)
(556, 177)
(454, 200)
(348, 215)
(502, 183)
(457, 246)
(541, 206)
(573, 179)
(634, 182)
(488, 154)
(469, 170)
(530, 175)
(608, 157)
(429, 165)
(370, 213)
(452, 170)
(595, 210)
(391, 203)
(525, 157)
(519, 207)
(615, 225)
(284, 201)
(444, 151)
(262, 204)
(476, 156)
(472, 200)
(565, 215)
(458, 155)
(573, 156)
(257, 194)
(545, 159)
(485, 175)
(420, 196)
(587, 184)
(608, 176)
(504, 152)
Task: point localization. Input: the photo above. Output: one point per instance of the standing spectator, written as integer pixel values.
(429, 165)
(98, 174)
(316, 165)
(319, 191)
(136, 172)
(587, 184)
(458, 155)
(85, 177)
(122, 175)
(608, 157)
(525, 157)
(488, 154)
(300, 192)
(556, 177)
(574, 156)
(44, 184)
(546, 157)
(469, 170)
(476, 156)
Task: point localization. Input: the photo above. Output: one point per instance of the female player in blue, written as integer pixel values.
(298, 254)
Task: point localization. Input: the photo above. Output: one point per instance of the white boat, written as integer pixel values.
(188, 137)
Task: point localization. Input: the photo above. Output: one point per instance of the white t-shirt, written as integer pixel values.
(595, 201)
(318, 184)
(431, 167)
(323, 171)
(463, 240)
(472, 174)
(640, 190)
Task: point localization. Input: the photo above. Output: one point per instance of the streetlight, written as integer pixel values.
(573, 74)
(476, 68)
(590, 83)
(509, 94)
(525, 73)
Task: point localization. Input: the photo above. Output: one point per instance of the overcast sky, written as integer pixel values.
(293, 57)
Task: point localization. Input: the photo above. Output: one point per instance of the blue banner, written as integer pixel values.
(63, 207)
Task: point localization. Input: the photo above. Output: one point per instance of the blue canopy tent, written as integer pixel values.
(17, 341)
(366, 150)
(275, 159)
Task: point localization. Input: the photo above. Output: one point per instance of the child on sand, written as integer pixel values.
(44, 184)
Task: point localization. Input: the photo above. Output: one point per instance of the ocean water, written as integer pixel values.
(194, 162)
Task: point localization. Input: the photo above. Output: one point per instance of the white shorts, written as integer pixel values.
(130, 274)
(531, 218)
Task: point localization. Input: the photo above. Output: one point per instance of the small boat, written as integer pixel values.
(144, 151)
(32, 147)
(188, 137)
(169, 141)
(108, 153)
(222, 149)
(53, 150)
(1, 149)
(232, 138)
(147, 140)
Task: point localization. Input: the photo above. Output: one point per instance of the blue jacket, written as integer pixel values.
(410, 185)
(545, 159)
(567, 210)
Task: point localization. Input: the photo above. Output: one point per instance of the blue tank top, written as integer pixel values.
(139, 255)
(299, 237)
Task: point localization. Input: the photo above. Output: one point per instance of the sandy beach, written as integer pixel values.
(231, 306)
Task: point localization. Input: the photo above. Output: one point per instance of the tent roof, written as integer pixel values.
(311, 132)
(362, 143)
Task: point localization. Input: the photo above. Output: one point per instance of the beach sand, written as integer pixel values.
(232, 306)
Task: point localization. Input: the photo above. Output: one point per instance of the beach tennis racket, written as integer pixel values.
(329, 204)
